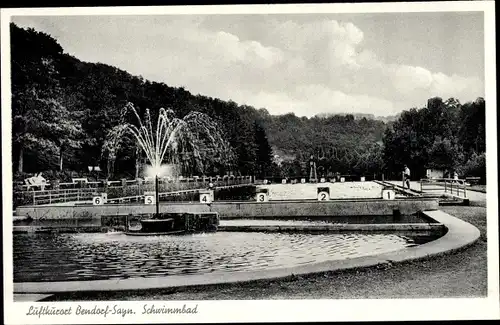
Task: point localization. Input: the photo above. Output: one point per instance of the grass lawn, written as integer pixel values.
(460, 274)
(479, 188)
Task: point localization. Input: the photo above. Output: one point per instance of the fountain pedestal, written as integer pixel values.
(176, 223)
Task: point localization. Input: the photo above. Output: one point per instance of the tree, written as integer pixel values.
(41, 121)
(441, 135)
(264, 152)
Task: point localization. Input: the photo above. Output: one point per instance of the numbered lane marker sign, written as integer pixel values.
(322, 180)
(283, 181)
(342, 179)
(323, 196)
(149, 199)
(388, 195)
(323, 193)
(262, 197)
(104, 197)
(97, 200)
(205, 197)
(303, 180)
(265, 181)
(362, 179)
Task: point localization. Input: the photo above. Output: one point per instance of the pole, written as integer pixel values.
(157, 197)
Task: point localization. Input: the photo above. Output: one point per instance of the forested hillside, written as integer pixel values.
(63, 109)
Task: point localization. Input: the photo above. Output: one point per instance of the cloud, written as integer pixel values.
(287, 65)
(456, 86)
(407, 79)
(309, 100)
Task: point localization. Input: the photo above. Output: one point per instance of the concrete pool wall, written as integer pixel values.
(243, 209)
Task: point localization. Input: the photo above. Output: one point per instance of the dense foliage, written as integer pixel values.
(63, 109)
(444, 135)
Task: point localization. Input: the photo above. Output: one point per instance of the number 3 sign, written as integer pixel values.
(262, 197)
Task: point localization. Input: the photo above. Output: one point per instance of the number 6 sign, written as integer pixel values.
(97, 200)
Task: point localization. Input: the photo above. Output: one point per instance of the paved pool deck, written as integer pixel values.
(472, 195)
(460, 235)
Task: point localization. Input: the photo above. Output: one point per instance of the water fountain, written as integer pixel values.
(195, 137)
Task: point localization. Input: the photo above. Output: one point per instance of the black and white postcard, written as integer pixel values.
(305, 162)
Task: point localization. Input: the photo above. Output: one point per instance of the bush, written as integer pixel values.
(475, 166)
(63, 176)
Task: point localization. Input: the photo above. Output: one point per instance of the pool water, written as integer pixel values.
(348, 190)
(66, 257)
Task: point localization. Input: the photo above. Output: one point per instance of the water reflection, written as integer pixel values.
(60, 257)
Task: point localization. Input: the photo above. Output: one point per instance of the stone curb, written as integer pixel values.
(437, 228)
(460, 235)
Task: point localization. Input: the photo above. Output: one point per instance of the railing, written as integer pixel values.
(55, 196)
(455, 187)
(123, 190)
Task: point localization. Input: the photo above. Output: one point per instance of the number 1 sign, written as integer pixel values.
(388, 195)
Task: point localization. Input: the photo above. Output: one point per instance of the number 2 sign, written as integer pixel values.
(323, 196)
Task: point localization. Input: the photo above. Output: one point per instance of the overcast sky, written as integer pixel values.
(306, 64)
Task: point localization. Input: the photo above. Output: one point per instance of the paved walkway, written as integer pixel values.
(473, 196)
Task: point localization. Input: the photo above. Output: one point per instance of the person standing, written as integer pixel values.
(406, 176)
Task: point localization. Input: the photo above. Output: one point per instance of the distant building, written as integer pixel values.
(435, 173)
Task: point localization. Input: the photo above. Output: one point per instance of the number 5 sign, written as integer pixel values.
(149, 199)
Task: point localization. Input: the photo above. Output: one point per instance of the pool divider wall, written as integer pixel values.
(243, 209)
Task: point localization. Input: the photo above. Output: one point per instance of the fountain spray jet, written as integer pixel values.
(194, 141)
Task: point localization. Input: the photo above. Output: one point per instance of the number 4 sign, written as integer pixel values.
(206, 197)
